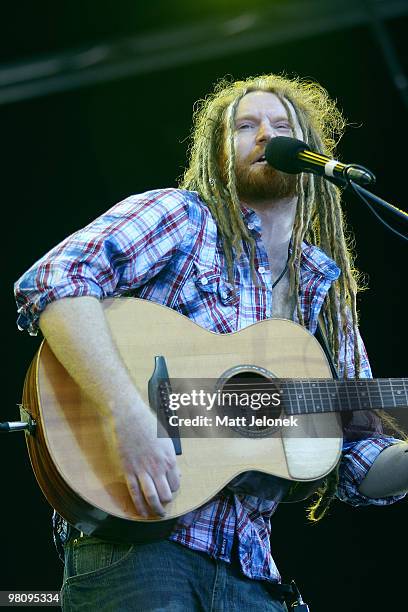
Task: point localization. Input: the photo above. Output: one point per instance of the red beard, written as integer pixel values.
(256, 183)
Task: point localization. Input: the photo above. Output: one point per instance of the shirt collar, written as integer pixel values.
(316, 260)
(312, 258)
(251, 219)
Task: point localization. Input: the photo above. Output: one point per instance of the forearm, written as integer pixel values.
(388, 475)
(78, 334)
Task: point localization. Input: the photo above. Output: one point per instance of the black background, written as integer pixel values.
(69, 156)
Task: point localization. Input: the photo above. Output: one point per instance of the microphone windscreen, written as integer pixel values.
(281, 153)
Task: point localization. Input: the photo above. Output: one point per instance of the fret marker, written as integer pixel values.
(399, 392)
(300, 396)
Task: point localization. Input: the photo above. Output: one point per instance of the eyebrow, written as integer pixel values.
(251, 116)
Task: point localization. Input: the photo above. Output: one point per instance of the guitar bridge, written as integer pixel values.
(159, 389)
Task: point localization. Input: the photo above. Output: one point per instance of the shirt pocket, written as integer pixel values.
(210, 300)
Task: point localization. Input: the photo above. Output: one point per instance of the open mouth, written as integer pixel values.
(261, 160)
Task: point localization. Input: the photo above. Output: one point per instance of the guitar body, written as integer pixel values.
(72, 451)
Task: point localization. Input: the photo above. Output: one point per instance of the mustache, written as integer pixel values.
(252, 158)
(266, 183)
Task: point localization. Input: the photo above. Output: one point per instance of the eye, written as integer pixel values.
(244, 126)
(283, 126)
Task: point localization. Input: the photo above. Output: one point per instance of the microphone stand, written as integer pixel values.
(366, 195)
(364, 192)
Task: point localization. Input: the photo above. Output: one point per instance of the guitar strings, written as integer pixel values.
(300, 391)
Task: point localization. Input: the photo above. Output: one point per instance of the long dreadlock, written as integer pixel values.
(319, 216)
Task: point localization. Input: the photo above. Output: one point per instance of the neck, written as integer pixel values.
(277, 218)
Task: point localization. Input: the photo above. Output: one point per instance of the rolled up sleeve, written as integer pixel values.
(119, 251)
(357, 459)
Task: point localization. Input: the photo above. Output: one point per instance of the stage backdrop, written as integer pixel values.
(70, 155)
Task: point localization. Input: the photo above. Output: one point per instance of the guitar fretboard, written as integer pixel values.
(305, 396)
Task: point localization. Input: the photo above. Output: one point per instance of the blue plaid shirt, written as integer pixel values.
(163, 246)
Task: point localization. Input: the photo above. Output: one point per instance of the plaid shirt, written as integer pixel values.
(163, 246)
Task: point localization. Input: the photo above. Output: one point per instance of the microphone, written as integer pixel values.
(293, 156)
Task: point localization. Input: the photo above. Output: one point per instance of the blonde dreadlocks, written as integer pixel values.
(319, 216)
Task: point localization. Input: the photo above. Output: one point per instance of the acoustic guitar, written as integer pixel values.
(70, 444)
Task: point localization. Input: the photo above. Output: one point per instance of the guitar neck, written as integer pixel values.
(314, 396)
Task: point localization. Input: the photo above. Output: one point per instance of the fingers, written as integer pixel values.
(151, 470)
(173, 478)
(149, 496)
(156, 493)
(137, 497)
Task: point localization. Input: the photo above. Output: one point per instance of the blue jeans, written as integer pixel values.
(156, 577)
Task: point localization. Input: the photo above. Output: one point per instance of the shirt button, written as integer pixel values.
(251, 226)
(224, 295)
(261, 269)
(204, 281)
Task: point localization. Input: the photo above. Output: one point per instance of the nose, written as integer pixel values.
(265, 132)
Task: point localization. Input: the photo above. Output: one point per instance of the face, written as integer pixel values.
(261, 116)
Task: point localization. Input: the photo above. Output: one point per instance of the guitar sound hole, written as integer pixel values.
(257, 399)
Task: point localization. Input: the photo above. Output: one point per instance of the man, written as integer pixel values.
(234, 246)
